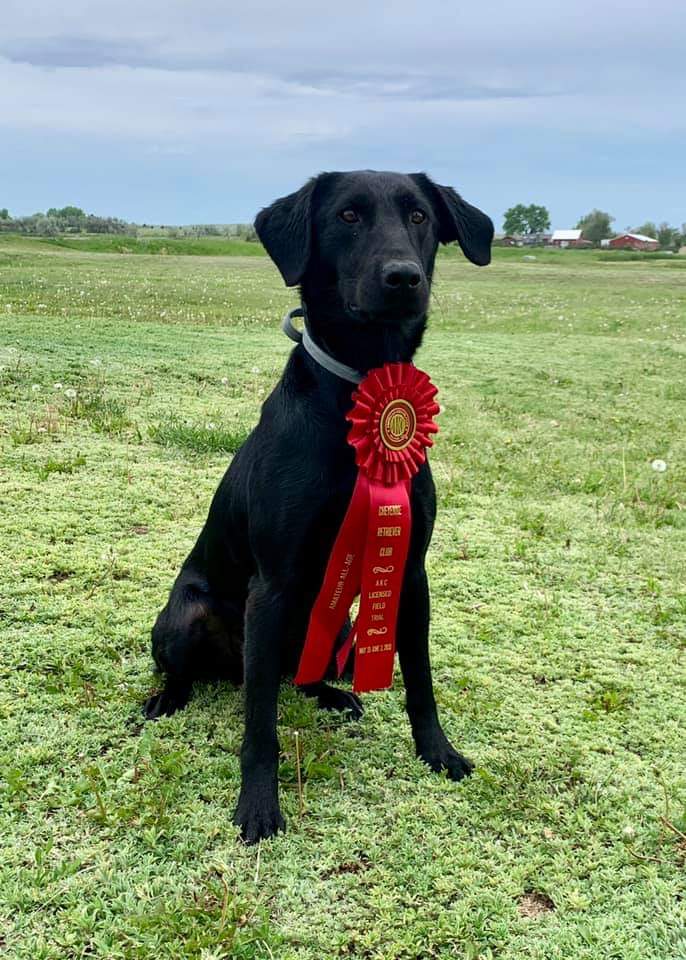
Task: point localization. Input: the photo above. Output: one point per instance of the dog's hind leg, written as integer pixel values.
(192, 640)
(333, 698)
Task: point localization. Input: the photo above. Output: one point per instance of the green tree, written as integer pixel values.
(596, 226)
(523, 219)
(5, 214)
(648, 229)
(667, 236)
(66, 213)
(538, 218)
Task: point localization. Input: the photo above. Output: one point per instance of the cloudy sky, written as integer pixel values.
(171, 111)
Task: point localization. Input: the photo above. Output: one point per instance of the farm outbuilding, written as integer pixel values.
(569, 238)
(506, 240)
(633, 241)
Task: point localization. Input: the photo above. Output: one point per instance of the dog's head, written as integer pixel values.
(362, 245)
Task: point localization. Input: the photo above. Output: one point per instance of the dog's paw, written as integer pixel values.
(345, 701)
(441, 755)
(175, 696)
(258, 820)
(161, 704)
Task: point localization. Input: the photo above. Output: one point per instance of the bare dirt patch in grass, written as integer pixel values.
(534, 905)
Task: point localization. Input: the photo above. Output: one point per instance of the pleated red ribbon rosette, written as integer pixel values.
(391, 426)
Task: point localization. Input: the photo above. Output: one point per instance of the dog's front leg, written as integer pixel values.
(258, 813)
(433, 747)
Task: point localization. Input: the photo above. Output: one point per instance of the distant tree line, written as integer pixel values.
(70, 220)
(534, 220)
(668, 237)
(236, 231)
(56, 221)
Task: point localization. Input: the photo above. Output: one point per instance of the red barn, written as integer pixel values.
(569, 238)
(633, 241)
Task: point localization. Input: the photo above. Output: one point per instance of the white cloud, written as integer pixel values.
(154, 105)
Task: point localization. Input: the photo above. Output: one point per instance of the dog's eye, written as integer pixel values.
(417, 216)
(348, 216)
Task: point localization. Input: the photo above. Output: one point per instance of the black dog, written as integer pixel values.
(362, 246)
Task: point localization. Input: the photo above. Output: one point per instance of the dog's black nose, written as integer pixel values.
(401, 275)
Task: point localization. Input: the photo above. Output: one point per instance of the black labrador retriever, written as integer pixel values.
(362, 246)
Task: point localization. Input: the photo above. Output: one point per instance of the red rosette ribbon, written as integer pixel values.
(391, 427)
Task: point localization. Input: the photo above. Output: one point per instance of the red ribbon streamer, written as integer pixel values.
(391, 427)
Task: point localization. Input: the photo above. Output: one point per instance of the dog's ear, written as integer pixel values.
(285, 229)
(459, 220)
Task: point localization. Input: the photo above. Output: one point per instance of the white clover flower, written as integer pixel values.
(225, 381)
(211, 426)
(35, 387)
(70, 392)
(659, 466)
(57, 386)
(255, 370)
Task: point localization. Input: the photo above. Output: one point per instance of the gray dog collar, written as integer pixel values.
(321, 356)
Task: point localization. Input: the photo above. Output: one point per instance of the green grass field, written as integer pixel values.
(559, 627)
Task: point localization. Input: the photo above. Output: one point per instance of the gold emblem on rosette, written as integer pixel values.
(398, 424)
